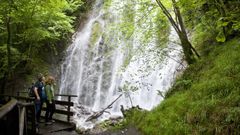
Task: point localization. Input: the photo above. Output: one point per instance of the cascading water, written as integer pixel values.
(93, 69)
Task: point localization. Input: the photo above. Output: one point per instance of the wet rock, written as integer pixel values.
(83, 131)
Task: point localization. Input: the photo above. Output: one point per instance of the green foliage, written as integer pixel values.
(3, 60)
(134, 116)
(128, 87)
(127, 26)
(204, 100)
(221, 37)
(96, 33)
(107, 4)
(218, 17)
(162, 31)
(142, 28)
(73, 5)
(33, 26)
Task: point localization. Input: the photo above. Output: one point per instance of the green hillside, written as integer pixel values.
(204, 100)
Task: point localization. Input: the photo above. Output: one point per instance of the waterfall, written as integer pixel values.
(94, 68)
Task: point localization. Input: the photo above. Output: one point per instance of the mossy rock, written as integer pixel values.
(96, 33)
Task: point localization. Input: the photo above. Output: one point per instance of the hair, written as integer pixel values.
(40, 77)
(50, 80)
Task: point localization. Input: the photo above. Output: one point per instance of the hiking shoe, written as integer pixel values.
(37, 129)
(48, 123)
(41, 121)
(53, 121)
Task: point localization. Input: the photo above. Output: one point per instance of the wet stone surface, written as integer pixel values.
(127, 131)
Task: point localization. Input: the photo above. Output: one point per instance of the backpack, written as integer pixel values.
(31, 91)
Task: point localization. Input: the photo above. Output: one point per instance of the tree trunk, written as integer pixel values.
(188, 50)
(188, 53)
(222, 9)
(3, 83)
(9, 44)
(9, 54)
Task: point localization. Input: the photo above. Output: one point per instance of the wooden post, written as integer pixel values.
(27, 118)
(31, 117)
(21, 119)
(68, 109)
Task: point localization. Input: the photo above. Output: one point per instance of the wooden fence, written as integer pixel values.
(17, 113)
(68, 103)
(17, 117)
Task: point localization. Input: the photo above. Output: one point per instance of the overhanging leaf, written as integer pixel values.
(221, 37)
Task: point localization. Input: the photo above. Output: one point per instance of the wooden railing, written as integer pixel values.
(21, 98)
(17, 116)
(68, 103)
(13, 120)
(6, 108)
(27, 119)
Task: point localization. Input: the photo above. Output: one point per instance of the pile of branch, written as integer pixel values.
(98, 114)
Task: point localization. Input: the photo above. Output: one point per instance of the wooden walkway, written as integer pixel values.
(57, 128)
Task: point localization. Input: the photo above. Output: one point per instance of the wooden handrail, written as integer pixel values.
(68, 112)
(14, 110)
(65, 95)
(25, 104)
(18, 97)
(68, 103)
(7, 107)
(63, 103)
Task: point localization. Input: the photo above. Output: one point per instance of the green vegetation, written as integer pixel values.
(189, 51)
(220, 18)
(205, 98)
(32, 34)
(96, 33)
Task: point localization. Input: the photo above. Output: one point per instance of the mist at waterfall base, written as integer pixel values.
(94, 71)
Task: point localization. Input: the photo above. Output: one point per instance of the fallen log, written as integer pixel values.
(98, 114)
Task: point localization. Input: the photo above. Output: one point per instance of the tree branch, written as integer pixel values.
(98, 114)
(165, 11)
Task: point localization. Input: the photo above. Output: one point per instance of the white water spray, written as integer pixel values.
(93, 71)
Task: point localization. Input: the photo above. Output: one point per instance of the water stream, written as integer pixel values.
(95, 69)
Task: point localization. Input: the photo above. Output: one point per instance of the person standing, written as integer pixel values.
(40, 96)
(49, 89)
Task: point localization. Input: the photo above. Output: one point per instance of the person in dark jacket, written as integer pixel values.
(40, 96)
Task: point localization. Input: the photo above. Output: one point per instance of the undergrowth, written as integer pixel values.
(204, 100)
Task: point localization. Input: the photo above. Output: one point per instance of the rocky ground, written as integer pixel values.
(127, 131)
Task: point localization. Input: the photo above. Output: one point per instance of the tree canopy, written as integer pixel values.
(28, 25)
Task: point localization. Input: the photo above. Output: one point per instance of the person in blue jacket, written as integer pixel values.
(40, 96)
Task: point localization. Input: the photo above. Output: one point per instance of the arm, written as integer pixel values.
(48, 92)
(36, 93)
(53, 93)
